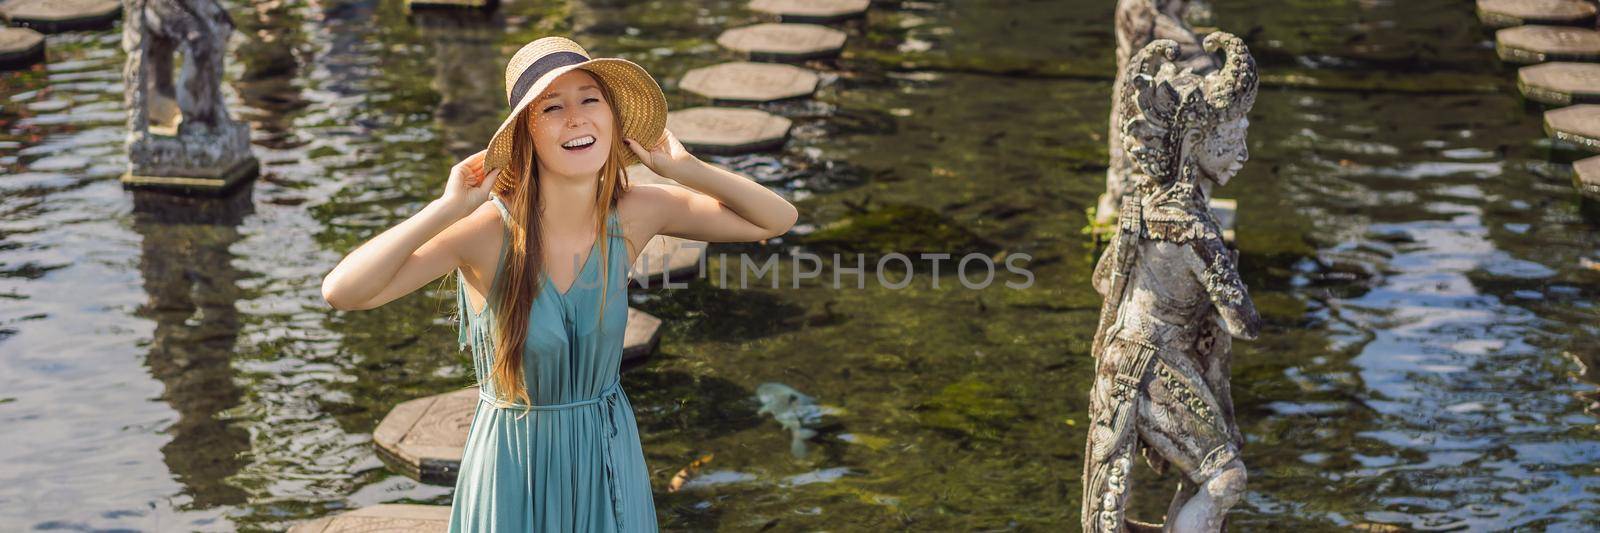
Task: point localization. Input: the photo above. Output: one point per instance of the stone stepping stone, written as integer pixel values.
(1579, 124)
(20, 47)
(819, 11)
(728, 131)
(1560, 83)
(424, 437)
(1537, 44)
(748, 82)
(1507, 13)
(1586, 176)
(54, 16)
(783, 41)
(394, 517)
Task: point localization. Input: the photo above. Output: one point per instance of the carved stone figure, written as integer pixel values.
(1139, 23)
(1173, 297)
(179, 132)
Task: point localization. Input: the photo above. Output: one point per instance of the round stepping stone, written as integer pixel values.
(424, 437)
(382, 517)
(1579, 124)
(783, 41)
(1586, 176)
(1560, 83)
(20, 47)
(53, 16)
(1537, 44)
(728, 131)
(1508, 13)
(821, 11)
(747, 82)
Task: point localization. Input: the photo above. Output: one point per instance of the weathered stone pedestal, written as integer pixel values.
(398, 518)
(204, 182)
(424, 438)
(20, 47)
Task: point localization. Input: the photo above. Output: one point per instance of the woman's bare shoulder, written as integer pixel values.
(477, 237)
(643, 202)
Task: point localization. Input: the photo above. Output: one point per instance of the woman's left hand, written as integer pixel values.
(668, 159)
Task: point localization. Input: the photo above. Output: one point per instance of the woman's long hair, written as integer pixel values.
(519, 281)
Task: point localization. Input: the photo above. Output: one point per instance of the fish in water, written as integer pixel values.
(793, 410)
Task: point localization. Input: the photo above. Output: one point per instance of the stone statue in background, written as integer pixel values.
(1173, 297)
(179, 132)
(1139, 23)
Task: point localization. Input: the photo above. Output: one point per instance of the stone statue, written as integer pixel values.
(1173, 297)
(1139, 23)
(179, 132)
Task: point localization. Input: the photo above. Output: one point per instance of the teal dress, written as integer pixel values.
(571, 461)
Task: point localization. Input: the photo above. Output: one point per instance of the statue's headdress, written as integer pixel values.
(1162, 106)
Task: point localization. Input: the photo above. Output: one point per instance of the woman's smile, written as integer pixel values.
(579, 144)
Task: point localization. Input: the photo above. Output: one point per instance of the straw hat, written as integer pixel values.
(634, 93)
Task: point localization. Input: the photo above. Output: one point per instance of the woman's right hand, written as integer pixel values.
(468, 186)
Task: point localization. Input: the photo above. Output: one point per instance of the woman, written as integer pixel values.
(540, 229)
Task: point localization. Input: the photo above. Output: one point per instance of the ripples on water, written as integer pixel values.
(1414, 245)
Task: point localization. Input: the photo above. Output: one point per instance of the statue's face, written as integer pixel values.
(1224, 152)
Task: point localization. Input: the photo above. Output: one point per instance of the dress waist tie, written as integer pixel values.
(608, 401)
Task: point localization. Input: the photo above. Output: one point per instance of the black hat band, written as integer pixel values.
(538, 69)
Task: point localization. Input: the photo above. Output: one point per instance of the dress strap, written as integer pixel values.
(505, 216)
(465, 315)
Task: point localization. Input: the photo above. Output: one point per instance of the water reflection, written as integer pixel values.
(188, 270)
(471, 90)
(271, 62)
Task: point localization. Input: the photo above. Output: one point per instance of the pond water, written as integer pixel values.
(1412, 240)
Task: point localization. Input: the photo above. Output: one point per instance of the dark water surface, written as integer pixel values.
(1410, 237)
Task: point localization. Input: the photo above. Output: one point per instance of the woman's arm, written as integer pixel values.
(412, 253)
(728, 207)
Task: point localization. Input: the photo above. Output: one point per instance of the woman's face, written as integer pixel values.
(572, 125)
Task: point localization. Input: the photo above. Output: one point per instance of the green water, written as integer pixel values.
(1411, 239)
